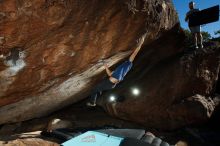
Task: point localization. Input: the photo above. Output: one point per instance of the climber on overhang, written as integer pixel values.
(116, 76)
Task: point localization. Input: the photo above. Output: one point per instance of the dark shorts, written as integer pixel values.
(104, 85)
(195, 29)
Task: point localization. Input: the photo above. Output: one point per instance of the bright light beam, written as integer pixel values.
(135, 91)
(112, 98)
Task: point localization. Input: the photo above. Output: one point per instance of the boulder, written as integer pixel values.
(174, 92)
(29, 141)
(60, 44)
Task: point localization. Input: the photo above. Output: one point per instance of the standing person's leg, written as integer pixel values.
(97, 91)
(195, 40)
(200, 38)
(194, 35)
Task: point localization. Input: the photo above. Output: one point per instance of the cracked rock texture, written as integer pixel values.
(61, 43)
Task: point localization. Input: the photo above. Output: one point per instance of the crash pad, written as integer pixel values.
(92, 138)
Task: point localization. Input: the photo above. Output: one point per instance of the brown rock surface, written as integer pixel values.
(173, 93)
(21, 132)
(62, 42)
(29, 142)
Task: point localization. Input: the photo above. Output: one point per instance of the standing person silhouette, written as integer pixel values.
(116, 76)
(195, 30)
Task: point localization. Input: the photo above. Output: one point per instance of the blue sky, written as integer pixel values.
(182, 8)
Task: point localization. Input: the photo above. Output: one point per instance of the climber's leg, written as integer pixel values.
(105, 85)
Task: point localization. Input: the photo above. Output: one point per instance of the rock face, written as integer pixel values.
(173, 93)
(60, 44)
(51, 58)
(29, 141)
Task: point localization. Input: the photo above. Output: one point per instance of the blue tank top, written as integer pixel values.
(121, 71)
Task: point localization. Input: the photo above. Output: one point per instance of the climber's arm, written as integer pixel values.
(108, 71)
(137, 49)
